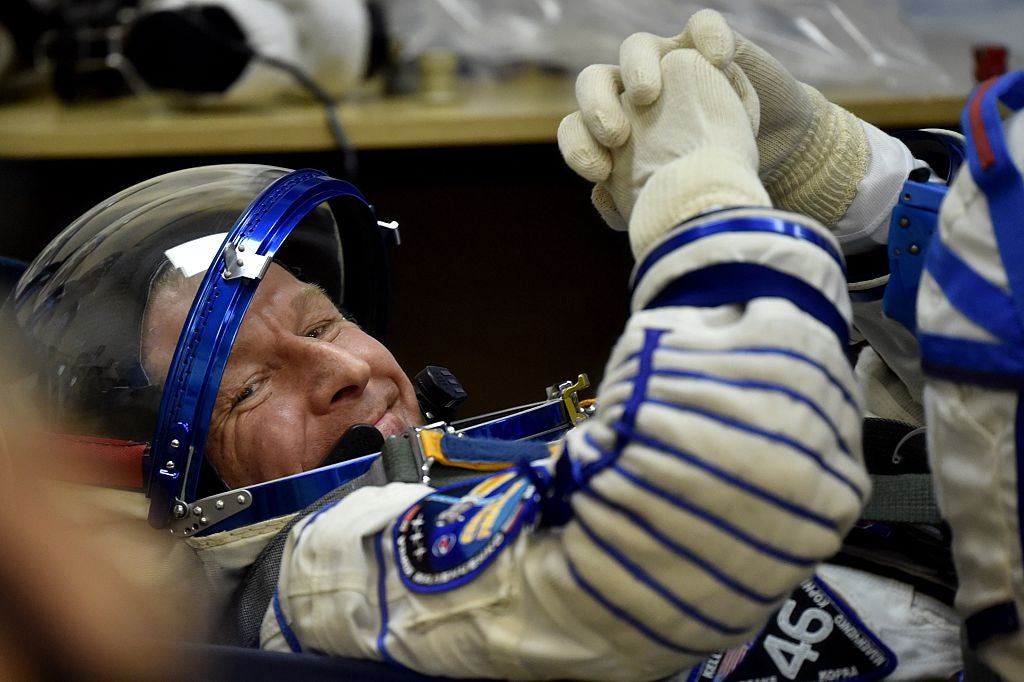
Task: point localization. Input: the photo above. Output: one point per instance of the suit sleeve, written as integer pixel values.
(722, 465)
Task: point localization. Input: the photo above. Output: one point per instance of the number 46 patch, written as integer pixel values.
(814, 637)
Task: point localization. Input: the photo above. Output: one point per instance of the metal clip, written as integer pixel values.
(567, 391)
(193, 518)
(393, 226)
(421, 459)
(241, 260)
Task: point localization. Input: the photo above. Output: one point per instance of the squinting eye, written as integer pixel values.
(317, 332)
(245, 393)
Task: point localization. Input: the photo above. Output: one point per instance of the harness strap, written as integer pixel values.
(897, 461)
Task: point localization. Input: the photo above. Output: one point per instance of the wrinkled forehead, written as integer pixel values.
(279, 294)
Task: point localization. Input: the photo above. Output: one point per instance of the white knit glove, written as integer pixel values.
(660, 163)
(812, 153)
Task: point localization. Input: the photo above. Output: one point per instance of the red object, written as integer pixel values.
(985, 156)
(94, 461)
(989, 61)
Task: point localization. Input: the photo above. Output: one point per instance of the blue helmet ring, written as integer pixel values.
(190, 392)
(80, 316)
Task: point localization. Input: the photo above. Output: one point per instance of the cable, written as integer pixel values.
(348, 155)
(349, 161)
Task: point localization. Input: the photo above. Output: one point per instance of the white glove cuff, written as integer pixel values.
(866, 223)
(705, 179)
(821, 180)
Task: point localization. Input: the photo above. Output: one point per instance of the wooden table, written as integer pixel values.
(492, 221)
(523, 109)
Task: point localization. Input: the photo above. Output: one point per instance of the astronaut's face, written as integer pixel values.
(298, 377)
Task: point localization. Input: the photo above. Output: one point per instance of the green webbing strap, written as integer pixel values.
(906, 498)
(400, 461)
(897, 461)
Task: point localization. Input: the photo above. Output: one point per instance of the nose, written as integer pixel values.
(332, 374)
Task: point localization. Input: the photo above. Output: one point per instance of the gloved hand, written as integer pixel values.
(660, 163)
(812, 153)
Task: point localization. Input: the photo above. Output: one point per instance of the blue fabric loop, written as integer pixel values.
(975, 362)
(762, 224)
(1000, 619)
(730, 283)
(491, 450)
(995, 173)
(985, 304)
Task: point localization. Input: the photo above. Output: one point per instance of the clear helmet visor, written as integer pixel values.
(84, 305)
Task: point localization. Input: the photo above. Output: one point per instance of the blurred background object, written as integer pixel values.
(222, 51)
(77, 602)
(254, 51)
(951, 29)
(453, 131)
(854, 45)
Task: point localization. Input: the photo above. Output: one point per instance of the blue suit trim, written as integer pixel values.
(282, 622)
(624, 616)
(995, 173)
(726, 477)
(685, 553)
(716, 521)
(993, 621)
(732, 283)
(382, 599)
(762, 386)
(718, 473)
(984, 303)
(746, 224)
(286, 630)
(643, 375)
(800, 357)
(975, 362)
(999, 363)
(764, 433)
(645, 578)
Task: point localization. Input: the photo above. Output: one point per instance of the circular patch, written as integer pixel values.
(450, 536)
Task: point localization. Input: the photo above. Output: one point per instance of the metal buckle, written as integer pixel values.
(190, 519)
(240, 264)
(421, 459)
(567, 391)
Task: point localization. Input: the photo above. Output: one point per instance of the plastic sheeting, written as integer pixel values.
(858, 46)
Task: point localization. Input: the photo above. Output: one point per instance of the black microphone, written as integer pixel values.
(357, 441)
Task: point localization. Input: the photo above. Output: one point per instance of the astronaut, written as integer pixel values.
(851, 178)
(723, 463)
